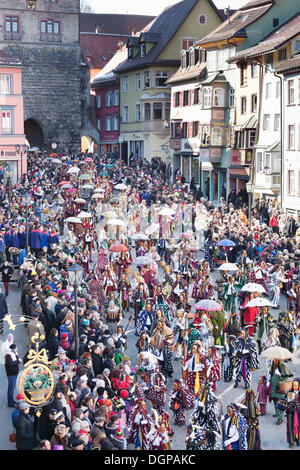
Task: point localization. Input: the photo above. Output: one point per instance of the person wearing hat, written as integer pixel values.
(60, 436)
(7, 272)
(35, 326)
(25, 431)
(12, 361)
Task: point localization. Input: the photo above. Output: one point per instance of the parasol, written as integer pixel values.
(97, 196)
(84, 215)
(209, 305)
(276, 352)
(140, 236)
(87, 186)
(66, 186)
(71, 190)
(80, 200)
(167, 211)
(253, 287)
(99, 190)
(226, 243)
(74, 169)
(228, 267)
(85, 176)
(152, 229)
(110, 214)
(63, 182)
(74, 220)
(118, 248)
(258, 302)
(117, 222)
(142, 260)
(121, 186)
(88, 160)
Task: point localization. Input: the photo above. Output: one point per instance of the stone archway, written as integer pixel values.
(34, 133)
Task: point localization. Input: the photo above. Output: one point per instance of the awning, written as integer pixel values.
(238, 172)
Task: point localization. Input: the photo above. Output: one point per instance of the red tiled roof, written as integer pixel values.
(98, 49)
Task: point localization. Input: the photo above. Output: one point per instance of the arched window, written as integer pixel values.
(108, 123)
(116, 121)
(219, 96)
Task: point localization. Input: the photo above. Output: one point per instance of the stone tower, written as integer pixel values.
(44, 36)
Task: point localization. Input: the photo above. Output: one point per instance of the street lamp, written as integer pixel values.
(75, 274)
(26, 200)
(250, 189)
(8, 173)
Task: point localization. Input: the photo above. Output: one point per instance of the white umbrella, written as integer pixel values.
(117, 222)
(140, 236)
(80, 200)
(142, 260)
(84, 215)
(253, 287)
(228, 267)
(97, 196)
(87, 186)
(74, 220)
(121, 186)
(152, 228)
(66, 186)
(276, 352)
(56, 160)
(258, 302)
(33, 149)
(73, 169)
(167, 211)
(99, 190)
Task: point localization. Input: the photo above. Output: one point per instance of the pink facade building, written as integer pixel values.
(106, 89)
(13, 149)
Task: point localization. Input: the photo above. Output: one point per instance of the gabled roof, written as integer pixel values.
(191, 73)
(289, 65)
(112, 23)
(273, 41)
(215, 77)
(166, 24)
(236, 25)
(98, 49)
(107, 74)
(255, 3)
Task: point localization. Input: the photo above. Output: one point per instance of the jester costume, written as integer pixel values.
(157, 392)
(145, 320)
(228, 358)
(204, 423)
(234, 427)
(230, 295)
(246, 358)
(164, 305)
(203, 289)
(293, 416)
(124, 289)
(194, 368)
(139, 426)
(95, 289)
(181, 401)
(251, 414)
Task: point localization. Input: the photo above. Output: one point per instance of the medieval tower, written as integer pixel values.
(44, 36)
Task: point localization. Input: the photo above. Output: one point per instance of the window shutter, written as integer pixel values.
(190, 129)
(174, 100)
(192, 95)
(200, 95)
(181, 98)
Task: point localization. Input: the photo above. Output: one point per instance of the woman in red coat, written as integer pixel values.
(250, 314)
(116, 383)
(273, 222)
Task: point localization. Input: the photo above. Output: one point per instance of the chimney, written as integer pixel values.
(120, 45)
(133, 33)
(98, 29)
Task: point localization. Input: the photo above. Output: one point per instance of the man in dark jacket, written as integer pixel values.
(97, 360)
(6, 272)
(25, 432)
(12, 361)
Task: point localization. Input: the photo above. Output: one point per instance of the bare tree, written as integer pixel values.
(85, 7)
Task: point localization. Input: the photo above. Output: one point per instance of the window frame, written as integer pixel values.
(11, 111)
(161, 75)
(8, 76)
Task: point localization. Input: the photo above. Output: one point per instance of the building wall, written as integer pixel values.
(52, 72)
(291, 116)
(12, 150)
(191, 28)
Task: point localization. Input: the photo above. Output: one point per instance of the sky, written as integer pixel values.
(152, 8)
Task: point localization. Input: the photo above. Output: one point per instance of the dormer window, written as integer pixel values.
(143, 49)
(130, 52)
